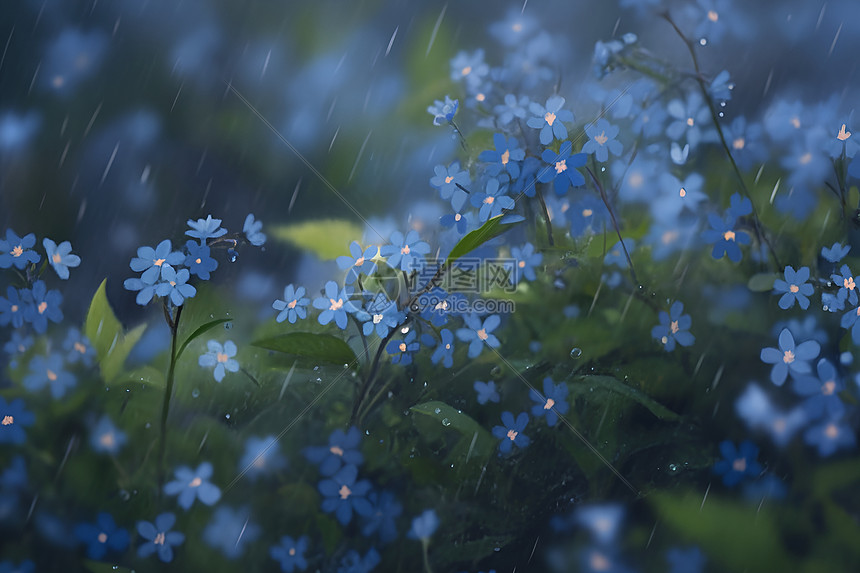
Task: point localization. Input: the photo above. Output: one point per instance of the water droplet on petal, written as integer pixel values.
(703, 42)
(232, 255)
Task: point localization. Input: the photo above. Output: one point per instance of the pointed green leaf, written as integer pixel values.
(326, 238)
(106, 335)
(199, 331)
(474, 437)
(614, 385)
(489, 230)
(319, 347)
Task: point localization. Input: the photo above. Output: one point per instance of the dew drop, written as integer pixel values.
(227, 416)
(437, 411)
(228, 325)
(195, 393)
(495, 371)
(232, 255)
(124, 495)
(576, 353)
(673, 468)
(703, 42)
(446, 422)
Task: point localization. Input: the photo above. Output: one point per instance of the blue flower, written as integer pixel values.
(13, 419)
(725, 238)
(293, 307)
(13, 308)
(402, 350)
(829, 436)
(450, 182)
(526, 260)
(849, 319)
(602, 140)
(739, 206)
(847, 286)
(78, 347)
(492, 201)
(14, 477)
(17, 251)
(552, 403)
(602, 520)
(460, 219)
(822, 392)
(291, 553)
(437, 305)
(477, 334)
(61, 257)
(175, 285)
(334, 305)
(511, 432)
(221, 357)
(343, 494)
(382, 315)
(17, 345)
(445, 350)
(342, 449)
(511, 108)
(525, 184)
(107, 438)
(443, 110)
(674, 327)
(504, 157)
(145, 291)
(203, 229)
(359, 263)
(42, 305)
(253, 231)
(383, 520)
(549, 119)
(737, 462)
(48, 371)
(159, 537)
(789, 357)
(424, 526)
(688, 117)
(352, 562)
(25, 566)
(561, 168)
(690, 560)
(469, 67)
(261, 456)
(198, 260)
(795, 288)
(721, 87)
(190, 485)
(230, 531)
(402, 252)
(101, 536)
(486, 392)
(149, 261)
(835, 253)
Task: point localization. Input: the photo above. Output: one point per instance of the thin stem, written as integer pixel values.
(545, 216)
(425, 542)
(173, 322)
(614, 223)
(715, 118)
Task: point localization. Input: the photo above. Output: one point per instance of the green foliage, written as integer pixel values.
(614, 385)
(762, 282)
(471, 241)
(310, 345)
(474, 440)
(107, 336)
(326, 238)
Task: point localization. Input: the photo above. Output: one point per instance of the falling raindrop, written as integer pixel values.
(673, 468)
(495, 370)
(576, 353)
(446, 422)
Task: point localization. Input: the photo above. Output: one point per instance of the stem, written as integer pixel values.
(545, 216)
(173, 323)
(715, 118)
(424, 544)
(614, 223)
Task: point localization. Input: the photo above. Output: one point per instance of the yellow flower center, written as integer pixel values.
(158, 262)
(43, 306)
(601, 139)
(550, 118)
(482, 334)
(794, 288)
(405, 250)
(15, 309)
(293, 303)
(8, 420)
(336, 450)
(740, 465)
(560, 166)
(17, 251)
(402, 347)
(196, 482)
(739, 143)
(159, 539)
(52, 376)
(599, 562)
(80, 348)
(673, 326)
(713, 16)
(669, 237)
(506, 156)
(831, 431)
(729, 235)
(788, 357)
(480, 97)
(198, 260)
(107, 439)
(795, 121)
(682, 192)
(521, 264)
(805, 158)
(489, 200)
(636, 179)
(359, 261)
(466, 71)
(221, 357)
(587, 212)
(690, 121)
(292, 551)
(457, 217)
(512, 435)
(828, 388)
(449, 179)
(102, 537)
(848, 283)
(549, 404)
(335, 304)
(843, 135)
(344, 492)
(56, 258)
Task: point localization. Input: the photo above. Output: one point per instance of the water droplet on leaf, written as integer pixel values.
(195, 393)
(576, 353)
(446, 422)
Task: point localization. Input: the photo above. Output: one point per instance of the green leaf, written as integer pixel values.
(489, 230)
(475, 441)
(319, 347)
(200, 330)
(144, 375)
(107, 336)
(326, 238)
(614, 385)
(762, 282)
(735, 535)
